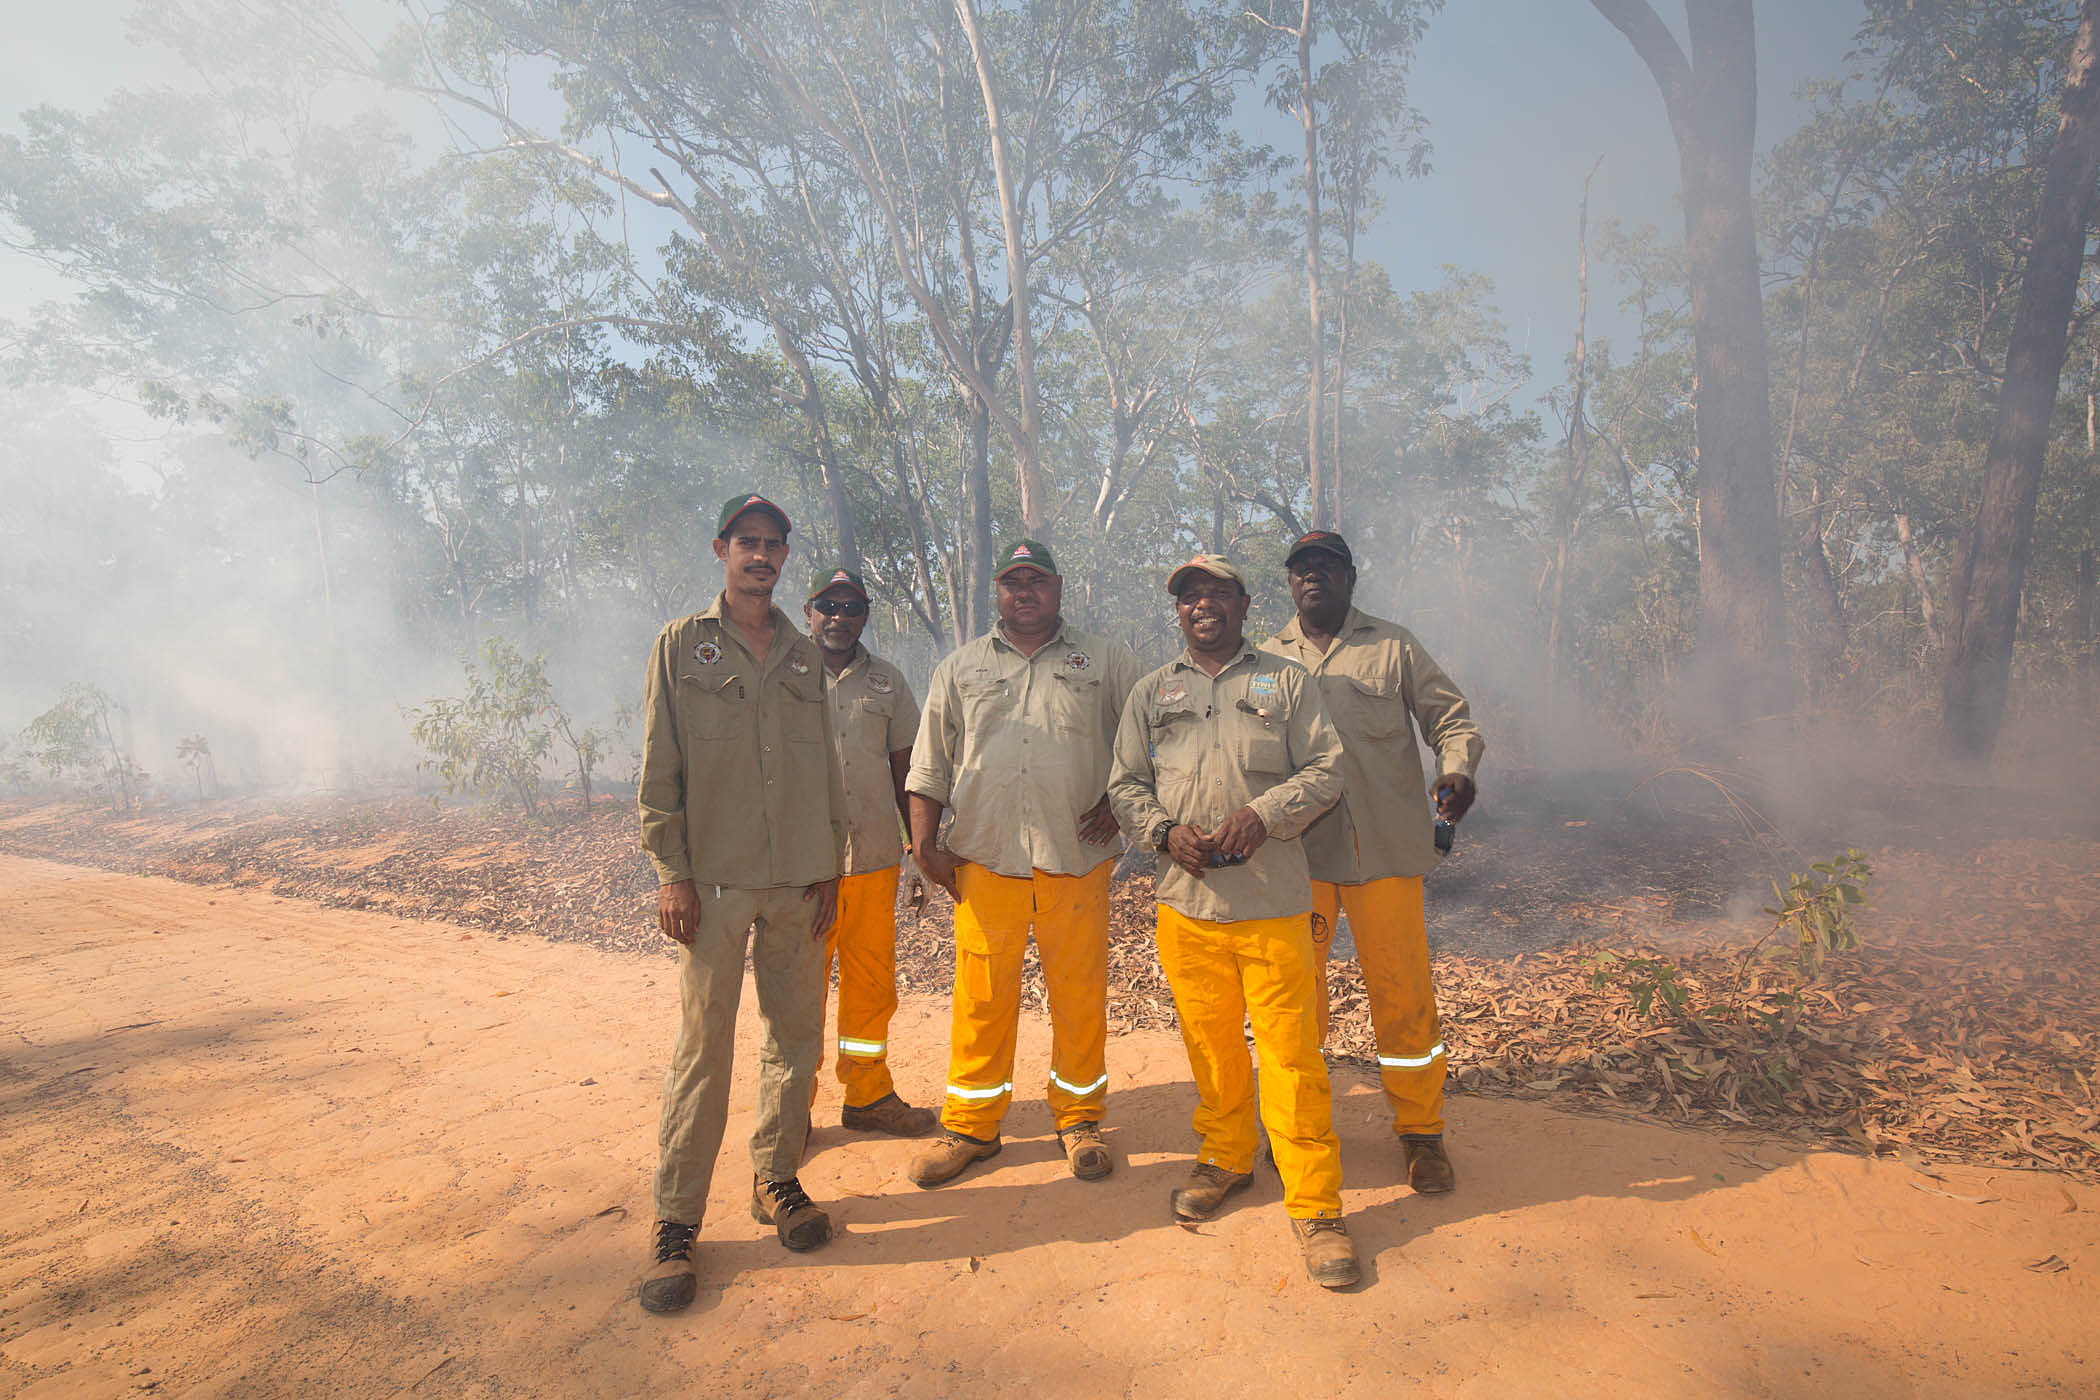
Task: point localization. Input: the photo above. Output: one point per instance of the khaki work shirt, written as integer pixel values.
(1019, 747)
(1194, 748)
(739, 785)
(1381, 685)
(873, 715)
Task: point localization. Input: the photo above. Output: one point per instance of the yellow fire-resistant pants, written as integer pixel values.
(863, 943)
(1392, 944)
(1070, 916)
(1263, 971)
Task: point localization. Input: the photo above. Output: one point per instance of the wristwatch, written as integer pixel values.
(1159, 833)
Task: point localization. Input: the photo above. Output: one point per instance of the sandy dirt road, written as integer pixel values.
(252, 1146)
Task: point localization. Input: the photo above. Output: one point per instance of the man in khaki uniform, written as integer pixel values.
(1369, 854)
(1015, 738)
(873, 719)
(744, 818)
(1223, 757)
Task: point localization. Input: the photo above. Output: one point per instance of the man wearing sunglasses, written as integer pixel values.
(744, 819)
(873, 719)
(1016, 738)
(1369, 853)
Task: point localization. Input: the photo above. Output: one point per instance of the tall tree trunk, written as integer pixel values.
(1027, 443)
(1315, 336)
(1711, 97)
(1352, 201)
(1567, 510)
(977, 548)
(1990, 564)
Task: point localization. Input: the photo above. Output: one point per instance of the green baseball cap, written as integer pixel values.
(1032, 554)
(835, 574)
(738, 504)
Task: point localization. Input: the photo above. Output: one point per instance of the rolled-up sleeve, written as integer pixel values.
(1315, 784)
(662, 791)
(1133, 784)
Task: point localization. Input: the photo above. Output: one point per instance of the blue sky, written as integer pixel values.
(1521, 97)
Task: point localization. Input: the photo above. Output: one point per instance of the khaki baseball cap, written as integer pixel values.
(1216, 565)
(1326, 540)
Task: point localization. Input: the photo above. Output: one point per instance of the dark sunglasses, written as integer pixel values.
(840, 607)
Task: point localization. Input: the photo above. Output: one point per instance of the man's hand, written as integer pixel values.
(1240, 834)
(938, 866)
(1189, 848)
(678, 911)
(826, 894)
(1454, 793)
(1098, 822)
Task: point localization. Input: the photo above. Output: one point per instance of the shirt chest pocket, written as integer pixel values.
(870, 723)
(1075, 703)
(712, 706)
(1259, 741)
(986, 700)
(801, 713)
(1371, 708)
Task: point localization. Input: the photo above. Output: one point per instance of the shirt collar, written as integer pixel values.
(1187, 660)
(1057, 638)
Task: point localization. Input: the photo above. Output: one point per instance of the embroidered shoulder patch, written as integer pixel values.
(707, 653)
(1077, 661)
(798, 663)
(1262, 686)
(1171, 692)
(880, 683)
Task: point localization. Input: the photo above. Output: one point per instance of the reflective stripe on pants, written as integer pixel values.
(1069, 914)
(1262, 971)
(863, 942)
(1392, 944)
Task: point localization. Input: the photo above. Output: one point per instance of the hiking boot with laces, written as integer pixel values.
(1330, 1256)
(1206, 1189)
(801, 1225)
(889, 1114)
(672, 1279)
(1428, 1168)
(1086, 1153)
(947, 1158)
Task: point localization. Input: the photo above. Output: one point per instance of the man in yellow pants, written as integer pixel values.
(873, 719)
(1369, 854)
(1223, 757)
(1015, 738)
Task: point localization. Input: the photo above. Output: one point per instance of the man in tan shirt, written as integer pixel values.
(1015, 738)
(744, 819)
(1369, 854)
(1223, 757)
(873, 720)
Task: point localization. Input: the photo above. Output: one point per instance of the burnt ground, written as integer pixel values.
(1965, 1029)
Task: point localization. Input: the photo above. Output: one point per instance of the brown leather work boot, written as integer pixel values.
(1330, 1256)
(784, 1205)
(950, 1154)
(1428, 1169)
(672, 1279)
(889, 1114)
(1206, 1190)
(1085, 1152)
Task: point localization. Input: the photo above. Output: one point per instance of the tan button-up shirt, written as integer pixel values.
(1194, 748)
(1019, 747)
(873, 715)
(739, 785)
(1381, 685)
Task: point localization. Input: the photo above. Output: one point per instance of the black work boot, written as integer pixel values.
(1428, 1168)
(672, 1279)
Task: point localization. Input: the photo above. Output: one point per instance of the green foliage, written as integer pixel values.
(73, 742)
(1645, 981)
(1816, 910)
(495, 739)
